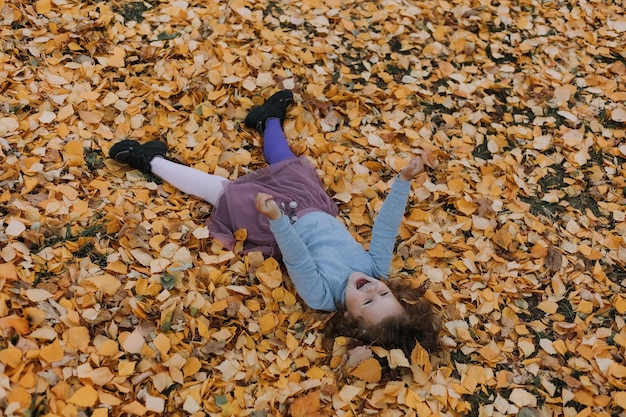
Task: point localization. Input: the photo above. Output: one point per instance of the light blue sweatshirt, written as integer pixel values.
(320, 253)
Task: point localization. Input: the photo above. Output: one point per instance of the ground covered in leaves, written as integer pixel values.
(116, 302)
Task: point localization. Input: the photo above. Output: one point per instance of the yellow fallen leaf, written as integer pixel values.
(585, 307)
(526, 346)
(101, 376)
(34, 316)
(20, 324)
(522, 398)
(8, 271)
(162, 343)
(52, 352)
(397, 358)
(125, 368)
(106, 283)
(315, 373)
(502, 238)
(74, 147)
(118, 267)
(619, 398)
(192, 366)
(348, 392)
(560, 346)
(548, 306)
(307, 406)
(117, 58)
(43, 6)
(108, 348)
(465, 207)
(268, 322)
(620, 304)
(11, 356)
(616, 370)
(420, 357)
(79, 337)
(100, 412)
(84, 397)
(369, 370)
(132, 342)
(269, 273)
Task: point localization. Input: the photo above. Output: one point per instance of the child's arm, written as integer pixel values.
(388, 220)
(302, 269)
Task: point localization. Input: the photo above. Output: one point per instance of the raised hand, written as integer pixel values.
(266, 205)
(416, 165)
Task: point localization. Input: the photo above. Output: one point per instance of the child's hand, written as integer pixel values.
(265, 204)
(416, 166)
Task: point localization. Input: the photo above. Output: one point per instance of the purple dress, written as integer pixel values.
(288, 181)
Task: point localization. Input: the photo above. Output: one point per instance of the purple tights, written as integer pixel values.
(275, 146)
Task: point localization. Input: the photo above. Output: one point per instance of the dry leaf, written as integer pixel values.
(369, 370)
(522, 203)
(307, 406)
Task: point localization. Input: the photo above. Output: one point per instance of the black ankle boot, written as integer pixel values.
(137, 155)
(275, 106)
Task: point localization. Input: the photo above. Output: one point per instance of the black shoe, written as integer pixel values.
(137, 155)
(275, 106)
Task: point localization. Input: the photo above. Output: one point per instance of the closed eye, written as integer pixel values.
(385, 293)
(367, 302)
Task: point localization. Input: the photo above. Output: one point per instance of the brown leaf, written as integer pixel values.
(554, 260)
(307, 406)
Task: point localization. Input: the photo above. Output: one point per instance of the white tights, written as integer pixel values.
(189, 180)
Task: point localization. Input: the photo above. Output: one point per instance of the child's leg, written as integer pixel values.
(275, 145)
(189, 180)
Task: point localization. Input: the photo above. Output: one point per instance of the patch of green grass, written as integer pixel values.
(133, 11)
(554, 178)
(566, 310)
(59, 236)
(37, 406)
(543, 208)
(482, 152)
(93, 159)
(584, 201)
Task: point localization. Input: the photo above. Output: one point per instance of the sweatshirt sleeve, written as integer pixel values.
(386, 226)
(301, 266)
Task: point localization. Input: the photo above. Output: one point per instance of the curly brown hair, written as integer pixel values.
(420, 324)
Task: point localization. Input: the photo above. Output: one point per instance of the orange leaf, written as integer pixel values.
(369, 370)
(84, 397)
(74, 147)
(79, 337)
(14, 322)
(307, 406)
(8, 271)
(43, 6)
(267, 322)
(52, 352)
(11, 356)
(421, 358)
(269, 273)
(117, 58)
(502, 238)
(465, 207)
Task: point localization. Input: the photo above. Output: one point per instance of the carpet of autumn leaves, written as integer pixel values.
(116, 302)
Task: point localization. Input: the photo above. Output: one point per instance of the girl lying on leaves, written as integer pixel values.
(288, 214)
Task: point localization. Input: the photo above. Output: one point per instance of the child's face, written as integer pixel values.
(370, 300)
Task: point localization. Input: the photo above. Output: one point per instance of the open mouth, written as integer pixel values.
(361, 283)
